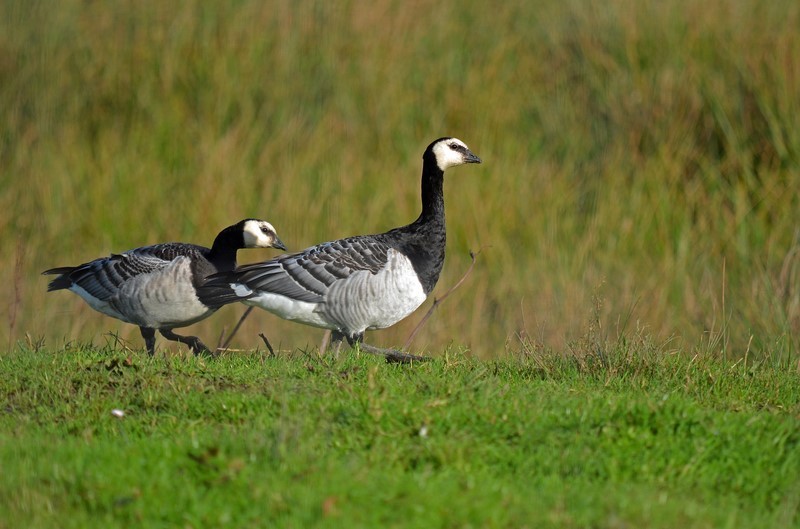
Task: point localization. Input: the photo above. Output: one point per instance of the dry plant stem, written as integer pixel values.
(266, 342)
(18, 268)
(227, 342)
(437, 301)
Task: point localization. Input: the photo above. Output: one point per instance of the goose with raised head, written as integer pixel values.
(359, 283)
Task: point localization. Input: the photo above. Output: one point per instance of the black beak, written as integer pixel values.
(277, 243)
(471, 158)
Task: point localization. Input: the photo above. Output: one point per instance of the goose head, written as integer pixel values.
(260, 234)
(450, 152)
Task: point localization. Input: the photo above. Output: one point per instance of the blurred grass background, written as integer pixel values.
(641, 158)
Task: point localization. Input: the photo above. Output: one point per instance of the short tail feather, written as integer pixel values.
(62, 281)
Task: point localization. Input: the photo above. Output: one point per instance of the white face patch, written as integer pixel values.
(255, 235)
(447, 157)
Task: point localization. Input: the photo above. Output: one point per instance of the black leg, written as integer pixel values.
(149, 336)
(193, 342)
(337, 339)
(391, 355)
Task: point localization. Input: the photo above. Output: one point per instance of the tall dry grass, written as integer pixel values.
(642, 153)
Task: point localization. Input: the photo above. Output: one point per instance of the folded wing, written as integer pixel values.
(306, 276)
(103, 278)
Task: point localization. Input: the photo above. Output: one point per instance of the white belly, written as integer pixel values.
(290, 309)
(97, 304)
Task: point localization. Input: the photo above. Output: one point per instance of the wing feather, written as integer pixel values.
(102, 278)
(305, 276)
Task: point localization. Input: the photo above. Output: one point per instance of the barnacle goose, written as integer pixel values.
(154, 287)
(358, 283)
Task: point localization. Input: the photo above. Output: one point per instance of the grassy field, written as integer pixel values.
(636, 438)
(623, 354)
(642, 152)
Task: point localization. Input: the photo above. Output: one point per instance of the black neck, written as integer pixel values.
(432, 193)
(227, 243)
(423, 241)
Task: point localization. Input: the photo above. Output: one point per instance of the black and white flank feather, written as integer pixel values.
(155, 287)
(358, 283)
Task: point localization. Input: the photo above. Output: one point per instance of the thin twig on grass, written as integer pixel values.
(437, 301)
(223, 345)
(266, 342)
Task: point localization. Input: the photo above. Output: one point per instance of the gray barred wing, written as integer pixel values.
(307, 276)
(102, 278)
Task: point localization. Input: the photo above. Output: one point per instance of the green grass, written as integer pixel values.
(641, 162)
(646, 152)
(630, 438)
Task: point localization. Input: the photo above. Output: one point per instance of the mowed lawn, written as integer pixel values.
(634, 437)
